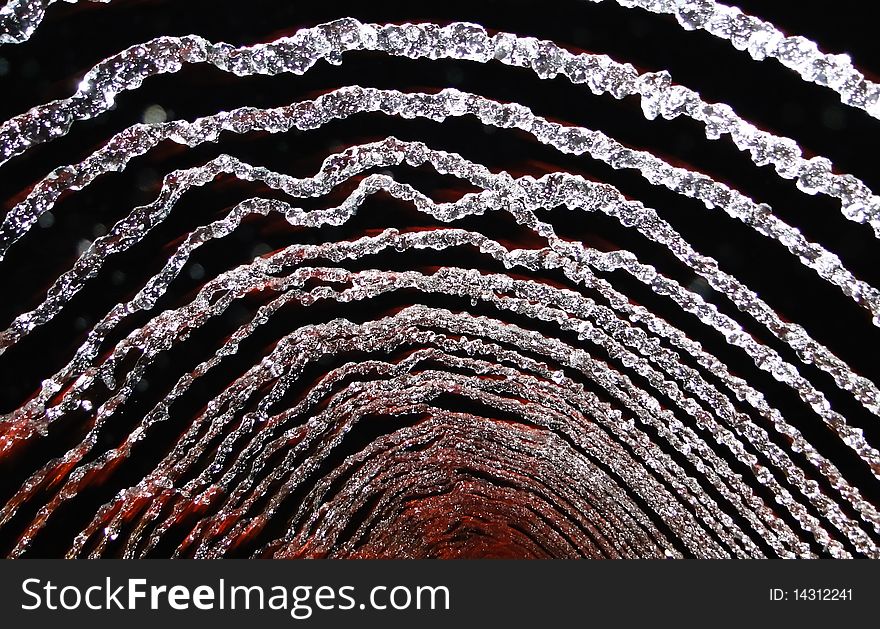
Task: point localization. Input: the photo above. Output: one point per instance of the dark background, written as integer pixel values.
(75, 37)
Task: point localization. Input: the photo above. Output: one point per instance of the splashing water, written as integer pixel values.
(471, 380)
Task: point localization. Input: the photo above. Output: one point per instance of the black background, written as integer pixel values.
(75, 37)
